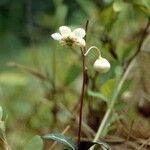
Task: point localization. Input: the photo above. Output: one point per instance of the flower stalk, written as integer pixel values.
(82, 96)
(91, 49)
(84, 74)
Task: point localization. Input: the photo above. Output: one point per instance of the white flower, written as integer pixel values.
(101, 65)
(70, 38)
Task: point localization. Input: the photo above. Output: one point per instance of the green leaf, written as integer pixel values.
(61, 139)
(73, 72)
(97, 95)
(108, 87)
(36, 143)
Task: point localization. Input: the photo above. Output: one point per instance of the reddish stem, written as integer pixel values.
(82, 97)
(84, 73)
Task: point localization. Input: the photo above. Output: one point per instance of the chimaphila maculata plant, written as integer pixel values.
(76, 38)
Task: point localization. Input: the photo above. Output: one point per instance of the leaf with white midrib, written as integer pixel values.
(61, 139)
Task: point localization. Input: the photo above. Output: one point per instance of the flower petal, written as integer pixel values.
(79, 32)
(101, 65)
(81, 42)
(56, 36)
(64, 30)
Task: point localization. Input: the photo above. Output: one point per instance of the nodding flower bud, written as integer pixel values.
(101, 65)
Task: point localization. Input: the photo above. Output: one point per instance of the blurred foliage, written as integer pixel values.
(35, 143)
(35, 106)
